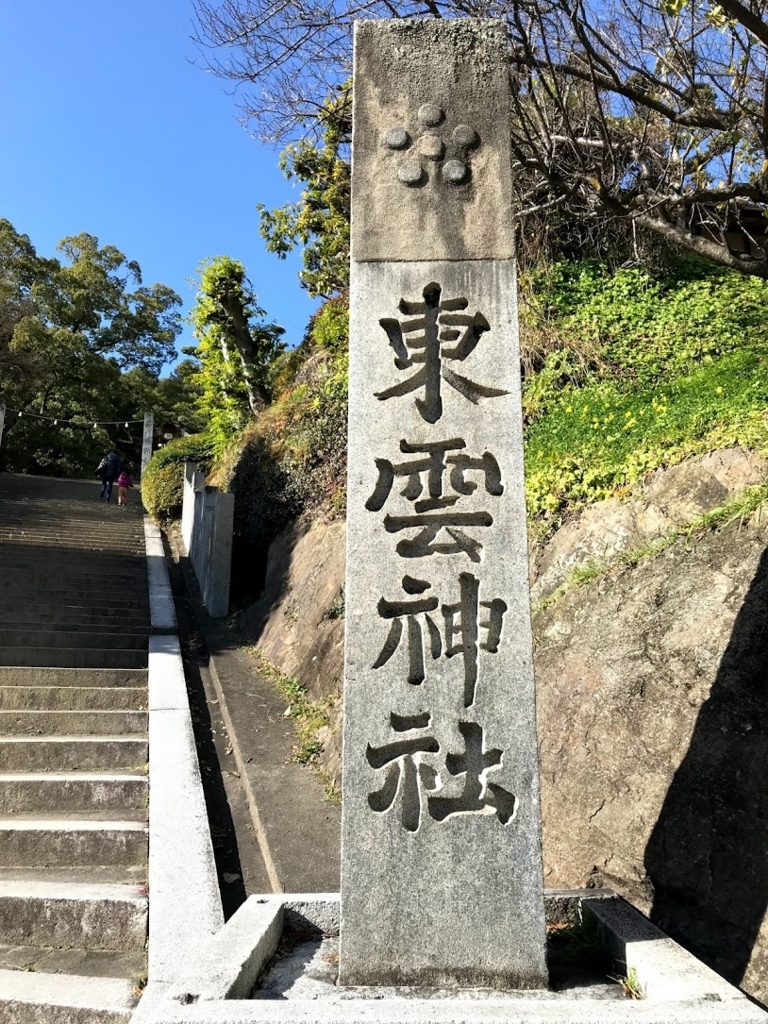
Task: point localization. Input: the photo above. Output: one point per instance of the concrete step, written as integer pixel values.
(97, 534)
(91, 963)
(26, 520)
(78, 615)
(72, 753)
(99, 584)
(42, 630)
(66, 577)
(38, 841)
(93, 814)
(76, 916)
(73, 723)
(66, 574)
(81, 677)
(61, 580)
(64, 657)
(78, 559)
(32, 997)
(103, 531)
(60, 638)
(72, 698)
(54, 605)
(110, 528)
(52, 596)
(119, 793)
(65, 546)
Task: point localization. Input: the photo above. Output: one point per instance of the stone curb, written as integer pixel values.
(185, 900)
(250, 796)
(186, 909)
(664, 970)
(167, 688)
(161, 606)
(460, 1011)
(229, 966)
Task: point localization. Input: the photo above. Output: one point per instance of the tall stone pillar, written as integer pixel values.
(2, 418)
(146, 441)
(441, 855)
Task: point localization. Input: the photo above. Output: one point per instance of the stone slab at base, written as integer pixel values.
(678, 988)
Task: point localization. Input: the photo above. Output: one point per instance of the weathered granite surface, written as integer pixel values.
(666, 500)
(431, 165)
(653, 715)
(455, 849)
(441, 828)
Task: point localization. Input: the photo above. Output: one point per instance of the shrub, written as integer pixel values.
(162, 487)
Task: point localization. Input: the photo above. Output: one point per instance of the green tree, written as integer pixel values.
(319, 221)
(68, 330)
(236, 350)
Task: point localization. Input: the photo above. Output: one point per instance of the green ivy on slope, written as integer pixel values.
(671, 369)
(292, 457)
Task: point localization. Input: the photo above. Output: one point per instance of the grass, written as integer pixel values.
(140, 983)
(337, 609)
(580, 944)
(630, 983)
(308, 716)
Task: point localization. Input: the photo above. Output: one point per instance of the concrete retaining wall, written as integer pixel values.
(206, 528)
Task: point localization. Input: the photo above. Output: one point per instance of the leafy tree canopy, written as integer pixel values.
(80, 339)
(319, 221)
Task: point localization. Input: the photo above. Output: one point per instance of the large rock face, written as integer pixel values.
(653, 720)
(666, 500)
(652, 687)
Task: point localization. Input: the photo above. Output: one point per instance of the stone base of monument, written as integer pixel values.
(276, 960)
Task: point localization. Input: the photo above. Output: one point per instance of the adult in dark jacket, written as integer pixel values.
(109, 470)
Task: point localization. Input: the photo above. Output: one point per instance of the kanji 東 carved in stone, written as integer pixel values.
(438, 323)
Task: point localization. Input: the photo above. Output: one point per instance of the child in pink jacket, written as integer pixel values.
(123, 483)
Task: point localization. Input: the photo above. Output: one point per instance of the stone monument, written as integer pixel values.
(146, 440)
(2, 418)
(441, 848)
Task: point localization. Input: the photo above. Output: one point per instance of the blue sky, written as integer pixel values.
(107, 127)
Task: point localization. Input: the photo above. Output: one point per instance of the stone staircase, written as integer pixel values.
(74, 627)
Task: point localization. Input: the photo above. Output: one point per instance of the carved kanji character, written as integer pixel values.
(479, 796)
(406, 772)
(429, 518)
(462, 629)
(425, 339)
(462, 621)
(410, 610)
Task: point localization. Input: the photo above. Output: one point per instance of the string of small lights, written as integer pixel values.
(59, 421)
